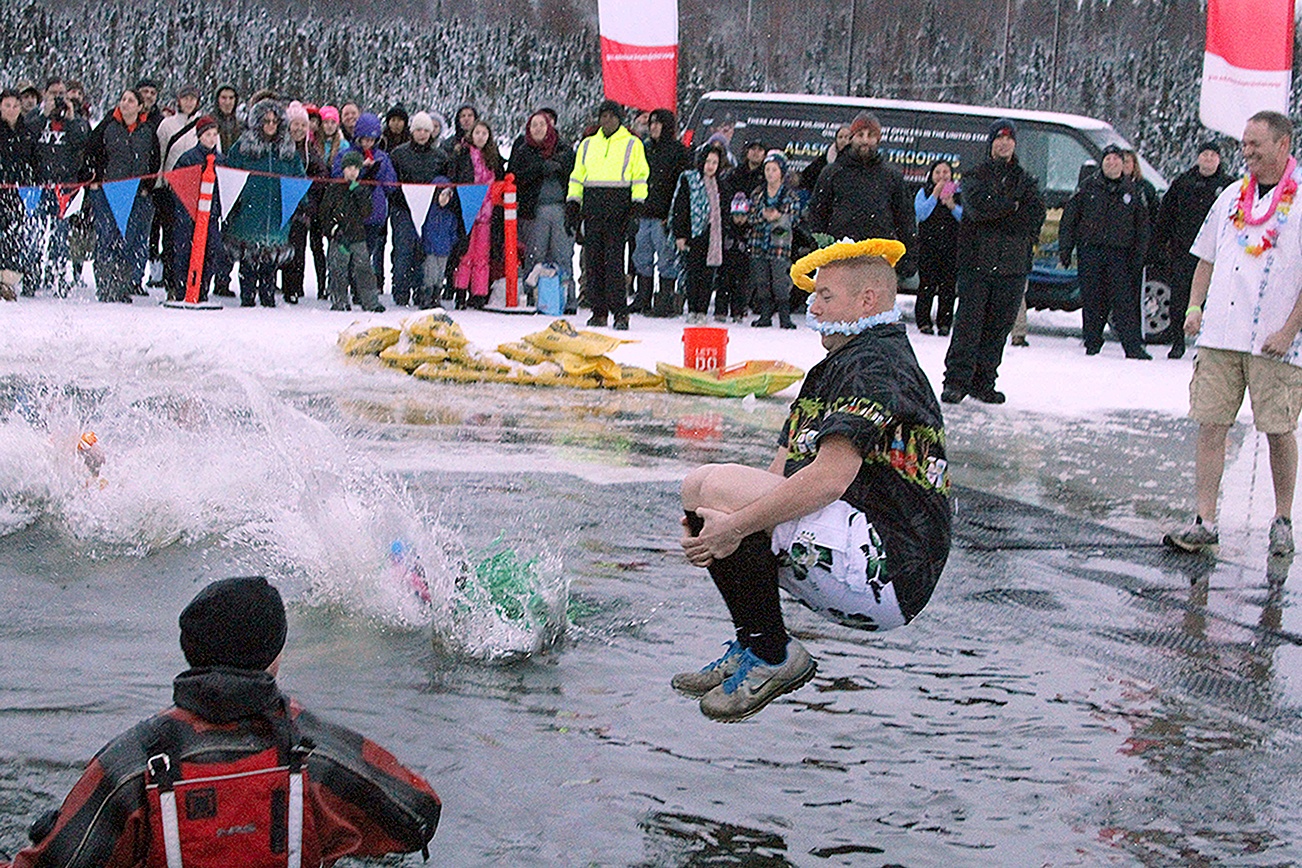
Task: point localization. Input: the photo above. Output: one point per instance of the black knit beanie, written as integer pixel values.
(237, 622)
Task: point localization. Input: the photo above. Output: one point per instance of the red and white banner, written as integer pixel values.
(1248, 63)
(639, 52)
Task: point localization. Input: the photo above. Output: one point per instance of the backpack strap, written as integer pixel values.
(162, 770)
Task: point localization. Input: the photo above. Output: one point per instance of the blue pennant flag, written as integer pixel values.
(121, 197)
(472, 199)
(31, 197)
(292, 191)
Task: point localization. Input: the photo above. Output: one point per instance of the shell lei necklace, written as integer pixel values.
(1280, 204)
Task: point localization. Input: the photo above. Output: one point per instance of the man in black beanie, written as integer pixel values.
(1181, 215)
(1002, 214)
(227, 755)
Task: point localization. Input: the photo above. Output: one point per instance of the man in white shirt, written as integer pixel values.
(1246, 309)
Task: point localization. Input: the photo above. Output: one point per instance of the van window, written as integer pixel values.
(1054, 156)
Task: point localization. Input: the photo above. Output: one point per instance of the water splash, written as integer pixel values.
(224, 461)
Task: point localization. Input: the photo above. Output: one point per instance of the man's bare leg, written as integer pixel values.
(1283, 470)
(1209, 466)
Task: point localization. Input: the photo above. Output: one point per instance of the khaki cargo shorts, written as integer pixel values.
(1219, 378)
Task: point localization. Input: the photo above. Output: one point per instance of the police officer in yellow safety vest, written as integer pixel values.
(607, 189)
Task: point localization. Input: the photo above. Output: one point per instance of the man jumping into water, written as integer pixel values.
(852, 516)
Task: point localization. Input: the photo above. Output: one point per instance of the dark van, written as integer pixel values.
(1052, 146)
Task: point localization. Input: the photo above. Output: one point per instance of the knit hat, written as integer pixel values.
(1113, 148)
(329, 113)
(610, 106)
(1210, 146)
(865, 121)
(740, 204)
(776, 156)
(295, 111)
(238, 622)
(422, 121)
(1002, 127)
(352, 157)
(368, 126)
(204, 123)
(312, 110)
(147, 82)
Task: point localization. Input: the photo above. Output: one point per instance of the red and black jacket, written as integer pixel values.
(363, 802)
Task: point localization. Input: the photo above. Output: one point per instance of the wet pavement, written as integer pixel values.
(1073, 694)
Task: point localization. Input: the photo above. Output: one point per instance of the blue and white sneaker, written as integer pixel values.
(697, 684)
(755, 684)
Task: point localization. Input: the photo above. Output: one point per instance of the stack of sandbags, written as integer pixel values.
(432, 347)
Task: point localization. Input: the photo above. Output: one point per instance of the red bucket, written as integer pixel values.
(705, 348)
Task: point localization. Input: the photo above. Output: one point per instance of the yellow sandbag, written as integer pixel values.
(521, 352)
(436, 329)
(446, 371)
(410, 356)
(574, 364)
(632, 377)
(490, 362)
(362, 339)
(560, 336)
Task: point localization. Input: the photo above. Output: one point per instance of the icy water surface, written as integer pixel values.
(1071, 696)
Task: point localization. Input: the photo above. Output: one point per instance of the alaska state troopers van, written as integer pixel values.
(1052, 146)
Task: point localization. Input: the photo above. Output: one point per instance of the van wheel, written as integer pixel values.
(1155, 310)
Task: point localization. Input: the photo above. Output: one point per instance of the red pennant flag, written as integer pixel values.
(185, 185)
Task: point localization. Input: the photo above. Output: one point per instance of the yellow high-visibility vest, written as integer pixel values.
(618, 161)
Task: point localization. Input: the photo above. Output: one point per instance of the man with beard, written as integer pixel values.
(1002, 214)
(859, 197)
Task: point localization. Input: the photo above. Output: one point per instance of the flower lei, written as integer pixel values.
(1280, 204)
(851, 328)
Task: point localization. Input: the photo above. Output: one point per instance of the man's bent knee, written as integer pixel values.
(726, 487)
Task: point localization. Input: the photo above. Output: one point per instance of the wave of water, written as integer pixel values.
(221, 459)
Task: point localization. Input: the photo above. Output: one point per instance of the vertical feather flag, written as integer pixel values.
(1248, 62)
(639, 52)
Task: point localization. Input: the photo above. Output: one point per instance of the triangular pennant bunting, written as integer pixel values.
(419, 197)
(185, 186)
(472, 199)
(70, 202)
(230, 183)
(121, 197)
(31, 197)
(292, 191)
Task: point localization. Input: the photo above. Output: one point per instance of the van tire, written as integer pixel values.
(1155, 311)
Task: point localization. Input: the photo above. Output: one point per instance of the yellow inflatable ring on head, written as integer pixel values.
(886, 248)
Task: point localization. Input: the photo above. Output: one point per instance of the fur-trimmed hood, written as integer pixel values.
(253, 144)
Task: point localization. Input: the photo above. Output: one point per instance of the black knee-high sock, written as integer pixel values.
(747, 580)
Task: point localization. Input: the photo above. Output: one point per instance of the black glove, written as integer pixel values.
(636, 209)
(573, 217)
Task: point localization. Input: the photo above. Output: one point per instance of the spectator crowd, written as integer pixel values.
(663, 231)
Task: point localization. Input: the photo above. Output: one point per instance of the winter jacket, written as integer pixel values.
(1002, 214)
(443, 230)
(385, 181)
(58, 147)
(176, 135)
(344, 211)
(614, 170)
(229, 129)
(773, 240)
(364, 803)
(16, 166)
(1104, 212)
(740, 179)
(416, 164)
(254, 230)
(689, 210)
(864, 198)
(115, 151)
(666, 159)
(937, 233)
(1183, 210)
(532, 171)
